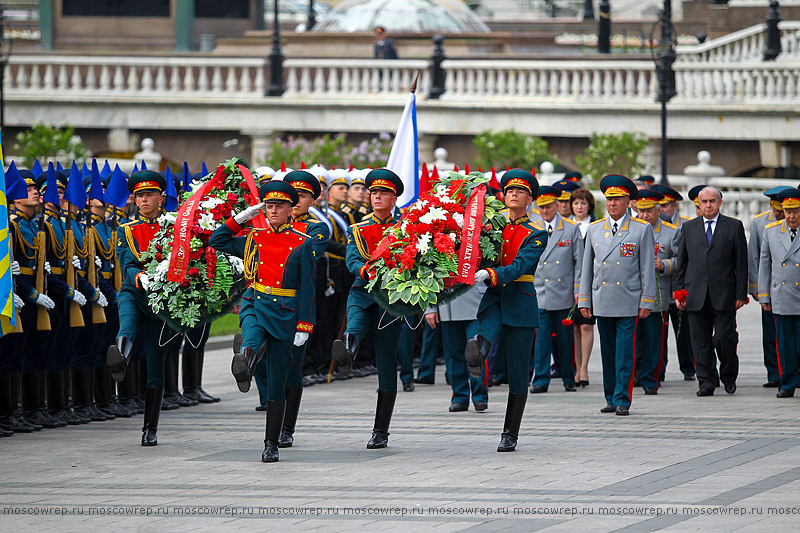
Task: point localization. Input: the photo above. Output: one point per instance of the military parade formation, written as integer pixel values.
(90, 348)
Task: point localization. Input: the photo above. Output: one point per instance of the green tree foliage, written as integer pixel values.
(45, 142)
(513, 149)
(330, 151)
(613, 153)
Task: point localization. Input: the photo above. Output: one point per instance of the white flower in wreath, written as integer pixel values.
(423, 244)
(237, 264)
(211, 203)
(167, 219)
(459, 218)
(435, 213)
(161, 271)
(206, 221)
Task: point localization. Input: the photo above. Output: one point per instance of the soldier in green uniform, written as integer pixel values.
(363, 313)
(510, 303)
(135, 315)
(279, 262)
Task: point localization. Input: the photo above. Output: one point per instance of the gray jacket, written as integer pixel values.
(558, 276)
(618, 275)
(465, 307)
(664, 234)
(779, 270)
(760, 222)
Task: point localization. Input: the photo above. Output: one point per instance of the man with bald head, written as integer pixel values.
(712, 268)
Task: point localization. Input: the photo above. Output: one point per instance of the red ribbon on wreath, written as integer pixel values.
(469, 255)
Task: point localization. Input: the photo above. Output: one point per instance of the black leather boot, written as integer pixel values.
(514, 409)
(344, 351)
(383, 416)
(140, 384)
(32, 404)
(118, 356)
(82, 395)
(152, 410)
(201, 355)
(243, 365)
(293, 397)
(91, 397)
(171, 391)
(275, 412)
(25, 426)
(7, 405)
(69, 412)
(104, 398)
(476, 352)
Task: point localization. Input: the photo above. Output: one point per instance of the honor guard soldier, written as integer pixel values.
(279, 263)
(356, 195)
(565, 187)
(308, 189)
(779, 287)
(618, 286)
(680, 322)
(757, 226)
(557, 281)
(135, 315)
(363, 313)
(510, 303)
(651, 350)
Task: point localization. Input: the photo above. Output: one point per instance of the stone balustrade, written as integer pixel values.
(348, 77)
(744, 45)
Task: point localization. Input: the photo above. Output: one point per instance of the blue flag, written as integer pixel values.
(8, 313)
(59, 167)
(96, 188)
(186, 178)
(16, 188)
(135, 169)
(204, 170)
(37, 169)
(85, 172)
(75, 193)
(117, 190)
(51, 192)
(106, 172)
(144, 165)
(172, 195)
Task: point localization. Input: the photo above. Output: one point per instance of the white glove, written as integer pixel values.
(248, 213)
(76, 262)
(79, 298)
(45, 301)
(300, 338)
(15, 268)
(481, 275)
(47, 267)
(144, 281)
(102, 301)
(18, 303)
(98, 262)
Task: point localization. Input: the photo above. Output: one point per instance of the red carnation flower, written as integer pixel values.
(185, 282)
(232, 198)
(159, 257)
(567, 322)
(193, 272)
(680, 296)
(159, 248)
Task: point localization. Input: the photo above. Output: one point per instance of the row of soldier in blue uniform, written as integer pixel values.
(68, 280)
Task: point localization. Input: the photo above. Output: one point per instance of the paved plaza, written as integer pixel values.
(678, 463)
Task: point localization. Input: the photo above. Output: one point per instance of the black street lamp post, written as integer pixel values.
(6, 46)
(588, 10)
(276, 86)
(312, 17)
(604, 28)
(666, 78)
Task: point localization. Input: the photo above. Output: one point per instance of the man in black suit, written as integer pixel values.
(712, 267)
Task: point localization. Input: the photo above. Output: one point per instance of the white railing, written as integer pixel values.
(349, 77)
(743, 45)
(779, 83)
(141, 76)
(574, 80)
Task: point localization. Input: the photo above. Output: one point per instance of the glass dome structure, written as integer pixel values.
(402, 16)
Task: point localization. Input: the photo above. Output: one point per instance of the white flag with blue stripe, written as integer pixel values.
(404, 157)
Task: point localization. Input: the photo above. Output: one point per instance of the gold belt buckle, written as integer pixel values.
(267, 290)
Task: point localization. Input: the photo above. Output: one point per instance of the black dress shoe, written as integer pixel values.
(608, 409)
(584, 383)
(167, 405)
(689, 377)
(570, 388)
(771, 384)
(650, 391)
(784, 393)
(379, 440)
(730, 388)
(458, 407)
(705, 392)
(408, 387)
(622, 410)
(262, 407)
(481, 406)
(476, 352)
(423, 381)
(538, 389)
(508, 443)
(270, 453)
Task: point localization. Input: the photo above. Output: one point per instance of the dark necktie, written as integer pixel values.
(708, 232)
(614, 229)
(550, 229)
(794, 234)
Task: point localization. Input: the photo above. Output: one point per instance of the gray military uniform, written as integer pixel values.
(618, 271)
(779, 270)
(667, 251)
(760, 222)
(558, 276)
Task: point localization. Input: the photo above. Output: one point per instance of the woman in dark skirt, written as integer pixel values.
(582, 203)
